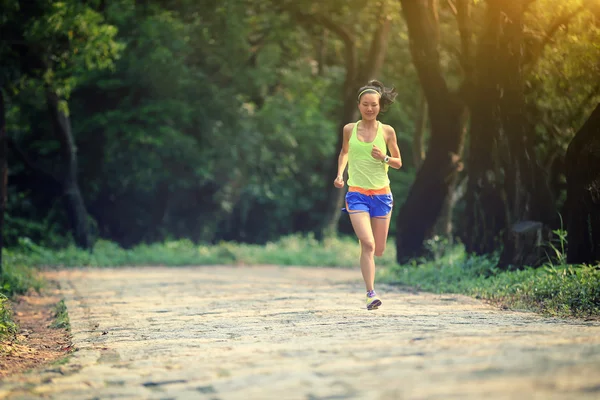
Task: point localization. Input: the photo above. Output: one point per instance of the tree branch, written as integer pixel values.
(560, 21)
(350, 56)
(377, 51)
(421, 20)
(419, 132)
(452, 7)
(463, 15)
(345, 35)
(585, 102)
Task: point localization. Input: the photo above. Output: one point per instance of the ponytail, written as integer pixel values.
(386, 95)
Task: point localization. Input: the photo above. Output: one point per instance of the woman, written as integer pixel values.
(369, 199)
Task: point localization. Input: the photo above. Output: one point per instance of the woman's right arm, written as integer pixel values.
(343, 157)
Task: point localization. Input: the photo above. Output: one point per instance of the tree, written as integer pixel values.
(52, 43)
(74, 204)
(509, 202)
(3, 173)
(437, 176)
(505, 185)
(562, 83)
(583, 193)
(218, 140)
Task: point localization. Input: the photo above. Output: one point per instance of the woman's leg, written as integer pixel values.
(381, 227)
(361, 222)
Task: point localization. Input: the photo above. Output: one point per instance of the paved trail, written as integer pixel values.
(300, 333)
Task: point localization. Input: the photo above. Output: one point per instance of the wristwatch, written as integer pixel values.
(386, 159)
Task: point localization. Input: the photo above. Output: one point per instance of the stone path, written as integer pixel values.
(301, 333)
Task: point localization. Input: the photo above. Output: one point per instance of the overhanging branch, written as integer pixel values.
(304, 18)
(309, 20)
(463, 15)
(560, 21)
(377, 49)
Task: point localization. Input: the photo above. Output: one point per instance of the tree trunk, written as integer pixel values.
(3, 174)
(506, 191)
(484, 214)
(335, 196)
(74, 205)
(520, 163)
(322, 51)
(444, 226)
(583, 193)
(418, 215)
(418, 143)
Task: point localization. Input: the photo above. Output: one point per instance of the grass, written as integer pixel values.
(15, 279)
(290, 250)
(18, 278)
(7, 327)
(557, 290)
(61, 317)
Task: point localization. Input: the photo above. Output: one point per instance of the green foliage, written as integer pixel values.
(54, 43)
(243, 127)
(7, 326)
(564, 291)
(43, 230)
(18, 276)
(214, 121)
(217, 121)
(562, 85)
(555, 289)
(19, 273)
(558, 245)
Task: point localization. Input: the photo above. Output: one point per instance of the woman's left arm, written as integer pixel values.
(391, 142)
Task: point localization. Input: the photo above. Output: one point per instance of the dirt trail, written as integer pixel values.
(301, 333)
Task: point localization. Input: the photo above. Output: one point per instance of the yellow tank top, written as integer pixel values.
(363, 170)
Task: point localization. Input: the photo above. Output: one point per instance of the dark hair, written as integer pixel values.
(387, 95)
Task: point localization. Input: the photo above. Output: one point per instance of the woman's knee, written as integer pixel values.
(367, 246)
(379, 250)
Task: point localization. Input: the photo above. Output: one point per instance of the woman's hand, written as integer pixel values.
(377, 154)
(339, 182)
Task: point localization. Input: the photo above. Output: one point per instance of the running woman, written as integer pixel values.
(369, 199)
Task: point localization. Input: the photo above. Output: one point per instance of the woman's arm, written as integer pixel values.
(391, 142)
(343, 157)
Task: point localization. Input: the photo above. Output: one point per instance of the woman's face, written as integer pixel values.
(369, 106)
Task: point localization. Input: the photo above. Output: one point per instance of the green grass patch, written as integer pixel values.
(290, 250)
(15, 279)
(19, 278)
(563, 291)
(62, 361)
(61, 317)
(7, 327)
